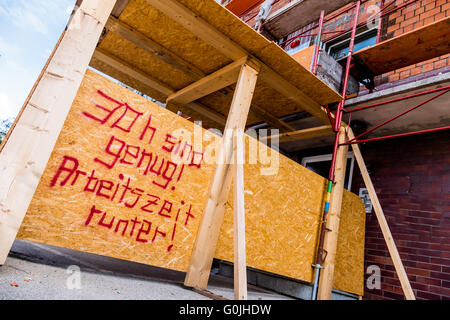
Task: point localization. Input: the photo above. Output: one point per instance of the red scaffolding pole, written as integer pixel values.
(321, 253)
(356, 139)
(397, 135)
(339, 33)
(397, 99)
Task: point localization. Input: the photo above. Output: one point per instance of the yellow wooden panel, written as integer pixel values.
(349, 271)
(282, 208)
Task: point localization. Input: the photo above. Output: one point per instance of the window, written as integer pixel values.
(321, 165)
(339, 48)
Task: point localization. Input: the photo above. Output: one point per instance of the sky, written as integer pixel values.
(29, 29)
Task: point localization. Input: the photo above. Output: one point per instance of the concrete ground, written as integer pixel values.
(36, 271)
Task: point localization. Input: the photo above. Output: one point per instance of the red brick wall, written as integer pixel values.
(419, 14)
(412, 179)
(409, 18)
(411, 176)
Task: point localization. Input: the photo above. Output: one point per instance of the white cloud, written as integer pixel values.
(24, 15)
(28, 32)
(8, 49)
(36, 15)
(6, 108)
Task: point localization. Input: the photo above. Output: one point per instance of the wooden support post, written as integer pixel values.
(240, 265)
(332, 223)
(208, 232)
(395, 256)
(25, 154)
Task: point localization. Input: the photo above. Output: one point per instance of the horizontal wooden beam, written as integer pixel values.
(267, 116)
(154, 48)
(220, 79)
(277, 82)
(202, 29)
(303, 134)
(118, 8)
(133, 72)
(160, 52)
(147, 80)
(270, 119)
(208, 112)
(198, 26)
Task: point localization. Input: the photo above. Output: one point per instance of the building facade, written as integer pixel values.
(411, 174)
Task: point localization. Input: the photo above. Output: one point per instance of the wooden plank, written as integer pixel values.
(124, 67)
(214, 82)
(208, 233)
(270, 119)
(140, 76)
(427, 42)
(293, 93)
(24, 157)
(200, 27)
(178, 63)
(267, 116)
(119, 7)
(148, 20)
(326, 280)
(208, 294)
(392, 248)
(154, 48)
(240, 265)
(303, 134)
(208, 112)
(232, 50)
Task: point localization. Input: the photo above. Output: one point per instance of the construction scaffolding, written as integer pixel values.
(429, 41)
(156, 47)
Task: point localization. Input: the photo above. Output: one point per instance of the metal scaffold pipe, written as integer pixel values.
(321, 252)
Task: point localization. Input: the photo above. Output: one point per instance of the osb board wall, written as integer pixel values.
(155, 25)
(95, 196)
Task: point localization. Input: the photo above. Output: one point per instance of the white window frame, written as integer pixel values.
(327, 157)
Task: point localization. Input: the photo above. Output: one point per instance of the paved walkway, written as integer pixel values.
(35, 271)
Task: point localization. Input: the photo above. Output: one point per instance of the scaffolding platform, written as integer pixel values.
(164, 55)
(297, 14)
(430, 41)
